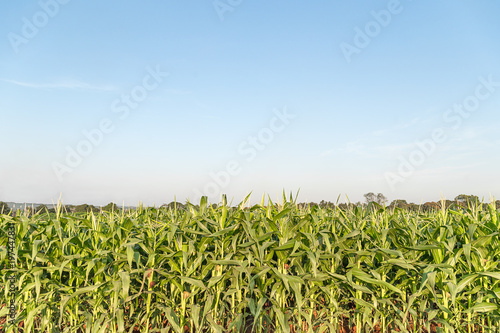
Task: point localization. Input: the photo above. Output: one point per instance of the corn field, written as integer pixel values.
(272, 267)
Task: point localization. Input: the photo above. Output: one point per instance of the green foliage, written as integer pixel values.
(372, 197)
(273, 268)
(326, 204)
(399, 203)
(110, 207)
(174, 205)
(4, 208)
(463, 200)
(41, 209)
(430, 206)
(85, 208)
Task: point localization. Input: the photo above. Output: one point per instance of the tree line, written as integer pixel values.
(460, 201)
(84, 208)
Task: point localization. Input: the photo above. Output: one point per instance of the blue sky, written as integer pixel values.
(186, 98)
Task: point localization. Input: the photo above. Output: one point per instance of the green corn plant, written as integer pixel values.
(271, 267)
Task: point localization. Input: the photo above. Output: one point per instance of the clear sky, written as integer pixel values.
(130, 101)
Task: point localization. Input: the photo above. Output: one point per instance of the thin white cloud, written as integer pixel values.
(350, 148)
(397, 148)
(363, 150)
(327, 152)
(397, 127)
(448, 171)
(66, 84)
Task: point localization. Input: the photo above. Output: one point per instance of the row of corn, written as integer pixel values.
(265, 268)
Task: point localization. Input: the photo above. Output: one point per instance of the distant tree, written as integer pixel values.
(346, 206)
(110, 207)
(399, 203)
(4, 208)
(413, 207)
(85, 208)
(326, 204)
(304, 205)
(381, 199)
(430, 206)
(173, 205)
(370, 197)
(463, 199)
